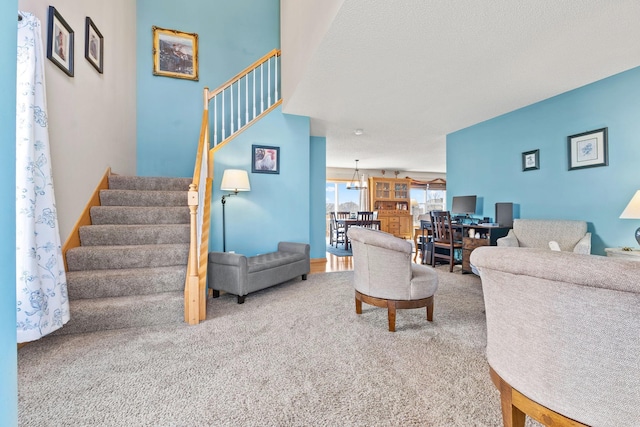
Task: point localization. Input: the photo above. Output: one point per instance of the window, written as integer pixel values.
(424, 200)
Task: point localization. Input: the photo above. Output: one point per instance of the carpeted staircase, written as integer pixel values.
(131, 266)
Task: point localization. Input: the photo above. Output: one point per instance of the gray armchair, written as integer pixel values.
(384, 275)
(563, 335)
(571, 236)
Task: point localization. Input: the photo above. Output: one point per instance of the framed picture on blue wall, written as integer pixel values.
(175, 54)
(588, 149)
(265, 159)
(531, 160)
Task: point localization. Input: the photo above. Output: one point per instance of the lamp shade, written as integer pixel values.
(632, 211)
(235, 180)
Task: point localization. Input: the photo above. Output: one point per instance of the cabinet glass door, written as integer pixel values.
(401, 191)
(382, 190)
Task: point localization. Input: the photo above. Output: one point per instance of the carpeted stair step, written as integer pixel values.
(143, 198)
(125, 282)
(139, 215)
(114, 234)
(130, 256)
(97, 314)
(122, 182)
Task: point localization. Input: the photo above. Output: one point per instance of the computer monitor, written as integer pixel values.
(463, 205)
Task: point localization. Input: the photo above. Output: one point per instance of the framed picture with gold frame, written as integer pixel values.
(175, 54)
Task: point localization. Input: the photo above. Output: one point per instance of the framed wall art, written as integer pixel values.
(175, 54)
(265, 159)
(93, 45)
(588, 149)
(60, 42)
(530, 160)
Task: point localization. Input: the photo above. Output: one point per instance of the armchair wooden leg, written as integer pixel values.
(391, 308)
(358, 306)
(511, 415)
(430, 310)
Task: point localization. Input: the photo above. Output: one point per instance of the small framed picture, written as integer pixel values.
(588, 149)
(60, 42)
(530, 160)
(175, 54)
(93, 45)
(265, 159)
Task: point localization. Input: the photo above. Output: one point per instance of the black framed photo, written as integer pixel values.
(265, 159)
(60, 42)
(93, 45)
(175, 53)
(530, 160)
(588, 149)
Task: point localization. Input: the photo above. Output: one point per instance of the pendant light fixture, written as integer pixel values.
(357, 182)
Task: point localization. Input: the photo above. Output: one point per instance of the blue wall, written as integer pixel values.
(318, 170)
(277, 208)
(231, 36)
(486, 159)
(8, 338)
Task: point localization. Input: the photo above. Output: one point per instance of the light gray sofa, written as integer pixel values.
(563, 329)
(240, 275)
(570, 235)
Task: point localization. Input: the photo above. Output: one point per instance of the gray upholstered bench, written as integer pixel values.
(240, 275)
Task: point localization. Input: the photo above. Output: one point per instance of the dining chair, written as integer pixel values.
(444, 238)
(365, 215)
(343, 215)
(337, 231)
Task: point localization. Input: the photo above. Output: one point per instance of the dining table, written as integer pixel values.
(346, 223)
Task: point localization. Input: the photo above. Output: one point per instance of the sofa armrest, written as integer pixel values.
(584, 245)
(302, 248)
(510, 240)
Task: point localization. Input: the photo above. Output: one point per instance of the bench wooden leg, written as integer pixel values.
(304, 277)
(216, 294)
(241, 299)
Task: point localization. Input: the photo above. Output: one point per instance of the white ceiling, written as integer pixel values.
(408, 72)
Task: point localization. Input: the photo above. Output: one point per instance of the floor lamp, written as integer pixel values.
(232, 180)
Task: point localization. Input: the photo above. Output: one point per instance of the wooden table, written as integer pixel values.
(349, 222)
(632, 255)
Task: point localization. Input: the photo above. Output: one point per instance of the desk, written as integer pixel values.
(349, 222)
(488, 237)
(632, 255)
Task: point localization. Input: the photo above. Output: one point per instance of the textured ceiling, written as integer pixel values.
(409, 72)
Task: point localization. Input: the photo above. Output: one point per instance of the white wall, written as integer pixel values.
(303, 25)
(92, 116)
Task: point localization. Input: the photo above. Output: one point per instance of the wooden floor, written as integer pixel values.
(334, 263)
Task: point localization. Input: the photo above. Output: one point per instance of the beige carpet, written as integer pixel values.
(292, 355)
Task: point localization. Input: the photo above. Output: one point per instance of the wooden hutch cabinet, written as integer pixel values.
(391, 198)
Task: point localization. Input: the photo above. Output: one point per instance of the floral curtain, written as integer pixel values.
(42, 303)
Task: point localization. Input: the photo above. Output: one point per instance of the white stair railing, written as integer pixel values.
(241, 100)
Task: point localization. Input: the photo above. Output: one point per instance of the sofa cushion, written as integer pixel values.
(272, 260)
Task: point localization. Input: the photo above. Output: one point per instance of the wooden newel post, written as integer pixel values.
(191, 295)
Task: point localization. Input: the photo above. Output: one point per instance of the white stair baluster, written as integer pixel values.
(269, 82)
(275, 82)
(224, 135)
(254, 93)
(215, 121)
(261, 88)
(239, 114)
(246, 99)
(231, 109)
